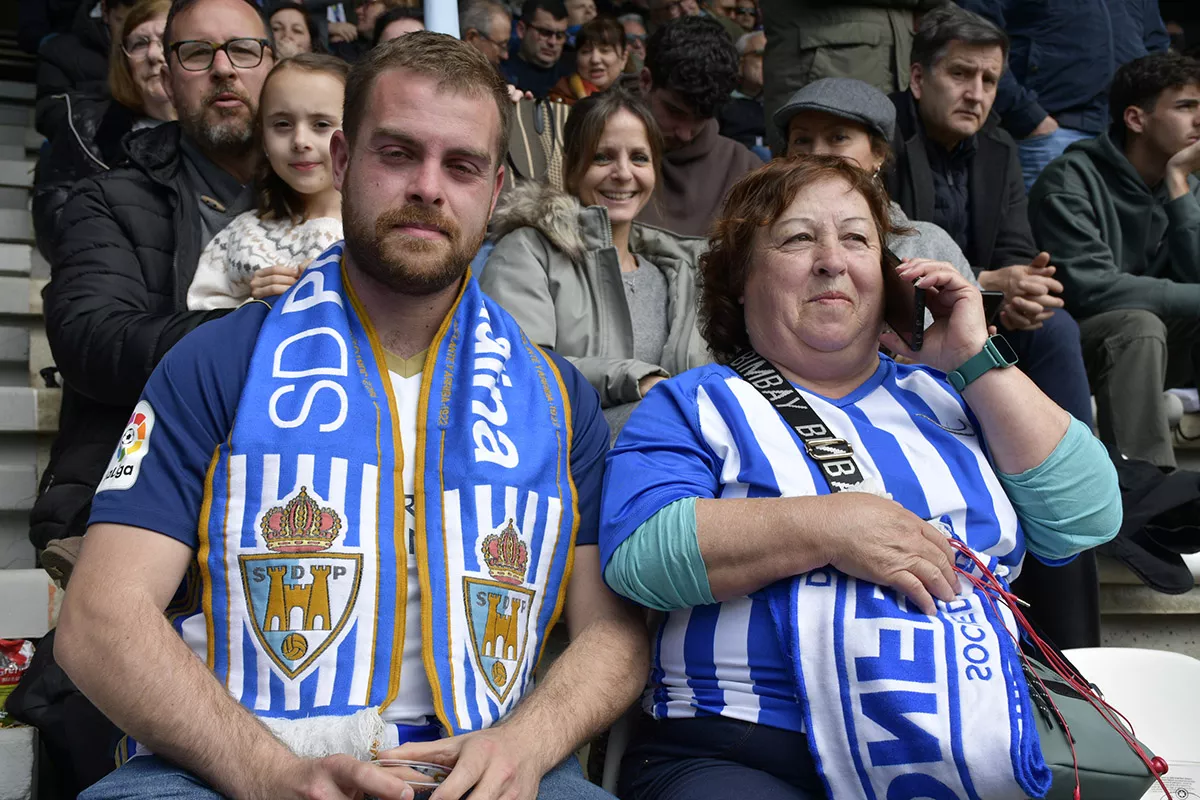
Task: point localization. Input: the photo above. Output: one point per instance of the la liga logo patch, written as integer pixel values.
(123, 467)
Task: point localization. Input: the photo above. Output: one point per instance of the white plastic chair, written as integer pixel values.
(1156, 690)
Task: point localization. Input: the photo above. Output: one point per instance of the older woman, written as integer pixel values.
(292, 28)
(791, 509)
(91, 143)
(600, 57)
(617, 298)
(849, 118)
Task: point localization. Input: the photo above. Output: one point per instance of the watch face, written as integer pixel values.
(1004, 349)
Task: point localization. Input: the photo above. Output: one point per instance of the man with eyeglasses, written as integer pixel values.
(130, 241)
(742, 119)
(485, 26)
(538, 63)
(635, 40)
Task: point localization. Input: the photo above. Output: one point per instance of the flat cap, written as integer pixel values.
(842, 97)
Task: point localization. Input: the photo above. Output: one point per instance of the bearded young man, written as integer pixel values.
(370, 502)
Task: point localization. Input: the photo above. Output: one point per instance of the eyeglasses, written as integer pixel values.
(546, 33)
(140, 47)
(635, 38)
(197, 56)
(760, 52)
(499, 45)
(745, 10)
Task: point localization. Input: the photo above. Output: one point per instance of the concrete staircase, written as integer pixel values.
(28, 410)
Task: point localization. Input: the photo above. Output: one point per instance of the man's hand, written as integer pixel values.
(332, 778)
(1046, 127)
(1182, 164)
(272, 281)
(499, 762)
(342, 32)
(1030, 292)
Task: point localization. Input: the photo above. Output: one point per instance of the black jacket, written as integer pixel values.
(70, 62)
(90, 145)
(1064, 55)
(115, 305)
(999, 230)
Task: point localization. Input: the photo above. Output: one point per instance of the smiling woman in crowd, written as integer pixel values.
(600, 59)
(791, 509)
(91, 143)
(616, 298)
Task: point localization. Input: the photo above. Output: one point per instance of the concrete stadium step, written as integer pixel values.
(28, 410)
(16, 226)
(1134, 615)
(15, 91)
(18, 259)
(17, 173)
(15, 113)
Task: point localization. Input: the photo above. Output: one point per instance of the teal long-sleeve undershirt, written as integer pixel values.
(1067, 504)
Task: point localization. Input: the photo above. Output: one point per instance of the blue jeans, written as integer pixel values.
(1052, 357)
(148, 777)
(714, 758)
(1038, 151)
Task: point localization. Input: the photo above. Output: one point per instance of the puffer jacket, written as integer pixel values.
(89, 145)
(115, 305)
(555, 269)
(70, 62)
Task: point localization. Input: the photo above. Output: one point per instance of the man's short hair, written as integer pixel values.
(947, 24)
(1142, 81)
(180, 6)
(694, 58)
(454, 64)
(479, 16)
(555, 8)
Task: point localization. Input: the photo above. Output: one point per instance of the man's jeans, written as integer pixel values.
(147, 777)
(1038, 151)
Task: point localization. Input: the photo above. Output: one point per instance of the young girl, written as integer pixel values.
(299, 214)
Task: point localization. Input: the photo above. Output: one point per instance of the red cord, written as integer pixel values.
(991, 588)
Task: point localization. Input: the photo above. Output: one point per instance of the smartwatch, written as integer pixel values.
(996, 353)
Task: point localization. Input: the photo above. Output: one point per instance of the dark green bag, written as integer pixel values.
(1109, 769)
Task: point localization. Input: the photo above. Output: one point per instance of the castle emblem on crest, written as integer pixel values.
(498, 610)
(299, 595)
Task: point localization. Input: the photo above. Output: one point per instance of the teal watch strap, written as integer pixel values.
(996, 352)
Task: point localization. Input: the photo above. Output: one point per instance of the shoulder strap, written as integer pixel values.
(834, 456)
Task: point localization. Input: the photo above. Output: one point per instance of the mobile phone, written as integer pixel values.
(903, 303)
(992, 302)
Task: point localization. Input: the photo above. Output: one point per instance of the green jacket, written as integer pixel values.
(1117, 243)
(870, 40)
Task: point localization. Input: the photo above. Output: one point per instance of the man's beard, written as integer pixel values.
(407, 264)
(232, 133)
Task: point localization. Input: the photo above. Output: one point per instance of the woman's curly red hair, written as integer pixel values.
(755, 202)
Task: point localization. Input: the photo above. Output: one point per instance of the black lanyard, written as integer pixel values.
(835, 456)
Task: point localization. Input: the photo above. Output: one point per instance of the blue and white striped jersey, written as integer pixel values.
(709, 434)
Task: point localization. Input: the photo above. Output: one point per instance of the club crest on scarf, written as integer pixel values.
(299, 594)
(498, 609)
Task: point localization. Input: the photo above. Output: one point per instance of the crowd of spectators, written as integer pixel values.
(1042, 149)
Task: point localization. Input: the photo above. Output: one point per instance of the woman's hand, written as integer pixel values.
(959, 328)
(275, 280)
(340, 32)
(880, 541)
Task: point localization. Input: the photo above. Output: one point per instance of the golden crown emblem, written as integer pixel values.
(300, 526)
(506, 555)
